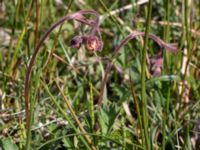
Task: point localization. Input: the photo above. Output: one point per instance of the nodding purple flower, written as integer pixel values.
(156, 64)
(76, 42)
(92, 42)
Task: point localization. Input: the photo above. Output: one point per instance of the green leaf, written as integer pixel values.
(8, 144)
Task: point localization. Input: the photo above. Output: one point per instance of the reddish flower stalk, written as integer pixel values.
(131, 36)
(78, 16)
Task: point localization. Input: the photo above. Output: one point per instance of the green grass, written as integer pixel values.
(78, 99)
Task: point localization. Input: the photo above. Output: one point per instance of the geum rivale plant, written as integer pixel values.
(93, 43)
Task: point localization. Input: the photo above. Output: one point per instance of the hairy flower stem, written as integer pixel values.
(131, 36)
(78, 16)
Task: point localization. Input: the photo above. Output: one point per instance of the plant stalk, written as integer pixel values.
(143, 78)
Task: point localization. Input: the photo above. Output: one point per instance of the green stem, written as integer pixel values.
(91, 106)
(143, 78)
(136, 102)
(189, 54)
(166, 64)
(167, 16)
(28, 130)
(95, 135)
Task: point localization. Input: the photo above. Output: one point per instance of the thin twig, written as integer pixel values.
(76, 118)
(127, 7)
(37, 21)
